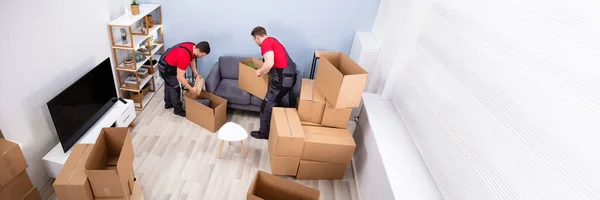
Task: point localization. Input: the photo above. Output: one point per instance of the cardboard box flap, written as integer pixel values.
(269, 187)
(331, 83)
(309, 93)
(76, 162)
(286, 135)
(105, 183)
(215, 101)
(293, 123)
(343, 63)
(291, 126)
(328, 135)
(255, 62)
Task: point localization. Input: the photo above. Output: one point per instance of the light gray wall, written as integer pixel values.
(302, 26)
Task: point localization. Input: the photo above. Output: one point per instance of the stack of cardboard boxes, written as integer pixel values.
(14, 180)
(103, 170)
(313, 142)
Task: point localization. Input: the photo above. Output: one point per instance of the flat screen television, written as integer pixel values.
(76, 109)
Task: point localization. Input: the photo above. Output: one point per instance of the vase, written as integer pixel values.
(135, 9)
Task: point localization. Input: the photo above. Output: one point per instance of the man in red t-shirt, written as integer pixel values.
(172, 66)
(282, 72)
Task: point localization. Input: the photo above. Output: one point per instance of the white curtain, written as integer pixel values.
(503, 98)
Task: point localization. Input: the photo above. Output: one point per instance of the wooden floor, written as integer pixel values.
(177, 159)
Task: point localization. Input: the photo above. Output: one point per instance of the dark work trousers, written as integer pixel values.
(275, 93)
(172, 90)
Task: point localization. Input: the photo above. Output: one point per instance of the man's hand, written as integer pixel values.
(258, 73)
(195, 90)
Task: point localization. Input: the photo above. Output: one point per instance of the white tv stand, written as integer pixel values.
(120, 114)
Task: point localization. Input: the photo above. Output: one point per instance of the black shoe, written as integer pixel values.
(180, 113)
(168, 106)
(259, 135)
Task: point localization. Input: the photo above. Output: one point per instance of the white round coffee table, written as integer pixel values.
(232, 132)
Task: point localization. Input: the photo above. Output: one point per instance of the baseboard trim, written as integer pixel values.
(356, 179)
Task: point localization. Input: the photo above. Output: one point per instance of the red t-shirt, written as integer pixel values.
(271, 44)
(180, 57)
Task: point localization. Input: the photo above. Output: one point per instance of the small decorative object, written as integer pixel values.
(124, 36)
(135, 8)
(128, 62)
(144, 30)
(148, 20)
(139, 58)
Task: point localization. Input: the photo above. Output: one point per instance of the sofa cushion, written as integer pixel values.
(228, 89)
(229, 66)
(255, 100)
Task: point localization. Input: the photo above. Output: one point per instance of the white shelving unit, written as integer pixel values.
(139, 32)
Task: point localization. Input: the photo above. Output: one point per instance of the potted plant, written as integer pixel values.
(135, 8)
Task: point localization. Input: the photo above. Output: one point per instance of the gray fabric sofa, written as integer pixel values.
(223, 81)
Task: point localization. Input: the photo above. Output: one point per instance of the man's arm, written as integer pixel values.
(194, 70)
(181, 79)
(269, 57)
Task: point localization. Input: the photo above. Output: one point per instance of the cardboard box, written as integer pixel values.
(12, 161)
(320, 170)
(311, 103)
(337, 118)
(309, 123)
(269, 187)
(210, 117)
(137, 193)
(112, 144)
(17, 188)
(340, 79)
(285, 166)
(33, 194)
(286, 137)
(330, 145)
(249, 82)
(72, 182)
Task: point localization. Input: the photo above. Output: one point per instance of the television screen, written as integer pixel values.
(78, 107)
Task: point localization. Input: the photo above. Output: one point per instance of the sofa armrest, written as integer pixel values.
(213, 79)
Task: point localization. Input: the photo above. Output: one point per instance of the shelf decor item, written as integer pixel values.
(128, 62)
(135, 8)
(124, 36)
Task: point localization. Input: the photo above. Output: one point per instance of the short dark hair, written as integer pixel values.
(258, 31)
(203, 46)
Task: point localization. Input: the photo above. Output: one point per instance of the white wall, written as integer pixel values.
(397, 28)
(502, 98)
(46, 46)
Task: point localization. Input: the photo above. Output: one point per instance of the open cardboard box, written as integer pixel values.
(311, 102)
(249, 82)
(340, 79)
(210, 117)
(112, 148)
(12, 161)
(270, 187)
(72, 182)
